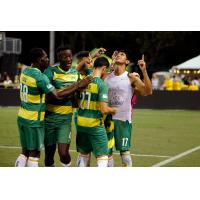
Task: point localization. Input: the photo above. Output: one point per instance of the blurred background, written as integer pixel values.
(172, 57)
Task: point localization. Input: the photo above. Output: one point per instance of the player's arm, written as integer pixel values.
(97, 52)
(105, 109)
(103, 99)
(82, 64)
(114, 56)
(140, 87)
(61, 95)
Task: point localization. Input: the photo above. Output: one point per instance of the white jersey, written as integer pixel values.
(120, 93)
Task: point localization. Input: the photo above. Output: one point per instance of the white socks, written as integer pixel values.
(102, 161)
(21, 161)
(126, 159)
(66, 165)
(32, 162)
(110, 161)
(83, 160)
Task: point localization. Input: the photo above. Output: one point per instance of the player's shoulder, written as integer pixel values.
(110, 76)
(99, 82)
(73, 70)
(51, 69)
(33, 72)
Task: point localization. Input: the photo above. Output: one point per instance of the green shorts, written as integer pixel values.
(31, 138)
(93, 140)
(122, 134)
(57, 134)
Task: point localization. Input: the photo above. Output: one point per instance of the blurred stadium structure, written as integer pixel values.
(10, 49)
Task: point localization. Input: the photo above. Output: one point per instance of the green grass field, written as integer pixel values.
(158, 135)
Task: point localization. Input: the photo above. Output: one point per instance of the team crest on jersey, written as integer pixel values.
(49, 86)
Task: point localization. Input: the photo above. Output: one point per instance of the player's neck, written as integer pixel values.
(64, 67)
(119, 70)
(35, 65)
(97, 72)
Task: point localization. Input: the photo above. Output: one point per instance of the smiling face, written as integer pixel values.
(65, 58)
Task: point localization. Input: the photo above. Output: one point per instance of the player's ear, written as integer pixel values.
(127, 62)
(39, 60)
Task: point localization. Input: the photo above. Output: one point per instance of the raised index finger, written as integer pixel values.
(143, 57)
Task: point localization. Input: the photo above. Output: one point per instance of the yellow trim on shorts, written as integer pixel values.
(36, 161)
(111, 143)
(111, 127)
(64, 110)
(30, 115)
(103, 157)
(65, 77)
(88, 122)
(28, 80)
(92, 88)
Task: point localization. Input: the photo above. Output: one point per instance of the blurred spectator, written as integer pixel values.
(193, 87)
(168, 83)
(196, 82)
(155, 82)
(177, 83)
(7, 82)
(16, 84)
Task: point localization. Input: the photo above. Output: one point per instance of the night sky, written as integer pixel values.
(162, 49)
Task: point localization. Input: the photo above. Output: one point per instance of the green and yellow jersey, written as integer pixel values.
(89, 114)
(33, 87)
(60, 112)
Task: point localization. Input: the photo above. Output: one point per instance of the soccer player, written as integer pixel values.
(91, 133)
(33, 87)
(121, 88)
(85, 67)
(58, 116)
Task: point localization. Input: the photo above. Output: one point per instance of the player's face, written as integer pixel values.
(65, 58)
(44, 61)
(121, 58)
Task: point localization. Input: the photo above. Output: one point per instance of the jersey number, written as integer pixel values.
(24, 92)
(124, 142)
(84, 94)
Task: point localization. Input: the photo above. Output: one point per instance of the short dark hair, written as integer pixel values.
(82, 54)
(101, 61)
(126, 52)
(63, 48)
(35, 54)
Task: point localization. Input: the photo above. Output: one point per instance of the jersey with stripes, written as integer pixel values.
(33, 87)
(89, 114)
(60, 111)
